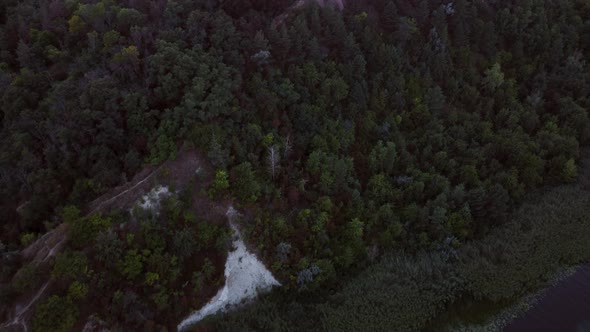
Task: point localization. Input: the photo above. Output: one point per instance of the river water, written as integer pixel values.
(564, 307)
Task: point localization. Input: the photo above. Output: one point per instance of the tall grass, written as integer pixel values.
(412, 292)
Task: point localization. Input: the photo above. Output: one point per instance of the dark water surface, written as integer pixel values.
(562, 308)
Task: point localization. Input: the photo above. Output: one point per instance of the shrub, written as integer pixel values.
(70, 265)
(27, 278)
(77, 291)
(27, 238)
(56, 314)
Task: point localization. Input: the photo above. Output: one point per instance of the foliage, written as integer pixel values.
(84, 230)
(220, 183)
(70, 265)
(409, 291)
(142, 268)
(27, 238)
(27, 278)
(388, 125)
(77, 291)
(55, 314)
(131, 265)
(244, 184)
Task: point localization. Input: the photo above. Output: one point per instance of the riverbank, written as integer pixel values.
(480, 285)
(564, 306)
(497, 317)
(554, 224)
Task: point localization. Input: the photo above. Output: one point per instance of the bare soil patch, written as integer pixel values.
(175, 174)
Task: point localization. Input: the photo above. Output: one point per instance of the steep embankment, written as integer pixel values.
(173, 173)
(245, 277)
(302, 3)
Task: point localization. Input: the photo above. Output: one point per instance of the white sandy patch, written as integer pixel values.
(151, 201)
(245, 277)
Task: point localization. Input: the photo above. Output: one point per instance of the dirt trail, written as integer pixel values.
(281, 18)
(112, 199)
(46, 246)
(42, 250)
(18, 319)
(178, 173)
(277, 21)
(37, 253)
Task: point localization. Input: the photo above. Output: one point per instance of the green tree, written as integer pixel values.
(494, 77)
(109, 247)
(570, 172)
(27, 238)
(218, 156)
(382, 158)
(151, 278)
(77, 291)
(220, 183)
(244, 183)
(390, 16)
(76, 24)
(70, 265)
(84, 230)
(355, 230)
(55, 314)
(27, 278)
(184, 243)
(131, 265)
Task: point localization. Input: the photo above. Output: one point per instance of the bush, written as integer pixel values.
(77, 291)
(220, 183)
(404, 292)
(27, 278)
(131, 265)
(70, 265)
(56, 314)
(84, 230)
(27, 238)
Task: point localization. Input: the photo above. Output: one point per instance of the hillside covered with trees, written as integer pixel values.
(351, 139)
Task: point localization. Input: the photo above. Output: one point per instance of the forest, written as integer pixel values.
(390, 133)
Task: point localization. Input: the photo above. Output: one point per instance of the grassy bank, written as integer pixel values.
(450, 288)
(486, 317)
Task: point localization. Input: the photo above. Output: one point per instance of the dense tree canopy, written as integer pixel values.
(391, 124)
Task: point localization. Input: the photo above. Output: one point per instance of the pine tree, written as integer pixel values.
(390, 17)
(216, 153)
(273, 161)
